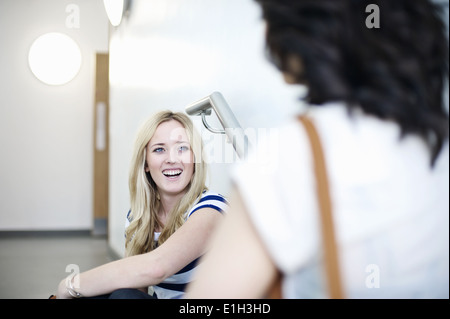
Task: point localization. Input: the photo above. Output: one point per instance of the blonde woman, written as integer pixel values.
(171, 218)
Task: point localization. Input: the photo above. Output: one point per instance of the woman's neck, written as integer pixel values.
(168, 202)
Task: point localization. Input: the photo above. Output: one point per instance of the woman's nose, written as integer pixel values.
(172, 156)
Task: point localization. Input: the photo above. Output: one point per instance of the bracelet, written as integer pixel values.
(70, 288)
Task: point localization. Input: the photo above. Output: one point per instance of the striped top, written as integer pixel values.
(173, 287)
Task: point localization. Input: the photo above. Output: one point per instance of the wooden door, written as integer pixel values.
(101, 145)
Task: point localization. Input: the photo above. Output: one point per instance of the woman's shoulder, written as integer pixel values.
(210, 195)
(209, 199)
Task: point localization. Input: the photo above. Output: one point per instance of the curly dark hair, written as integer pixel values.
(397, 71)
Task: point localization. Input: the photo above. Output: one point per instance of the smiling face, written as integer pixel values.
(170, 159)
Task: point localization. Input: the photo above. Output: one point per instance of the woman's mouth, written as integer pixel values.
(172, 173)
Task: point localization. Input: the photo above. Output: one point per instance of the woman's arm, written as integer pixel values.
(186, 244)
(237, 265)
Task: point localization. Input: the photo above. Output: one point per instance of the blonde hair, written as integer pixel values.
(144, 197)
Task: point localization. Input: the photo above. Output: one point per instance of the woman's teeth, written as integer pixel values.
(172, 172)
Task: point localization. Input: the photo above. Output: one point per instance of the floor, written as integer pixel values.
(32, 266)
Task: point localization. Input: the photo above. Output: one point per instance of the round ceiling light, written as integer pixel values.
(54, 58)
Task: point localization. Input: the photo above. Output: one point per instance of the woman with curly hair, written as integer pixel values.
(375, 97)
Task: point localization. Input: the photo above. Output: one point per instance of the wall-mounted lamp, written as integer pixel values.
(54, 58)
(116, 9)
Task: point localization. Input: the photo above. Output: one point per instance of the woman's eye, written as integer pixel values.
(158, 150)
(183, 148)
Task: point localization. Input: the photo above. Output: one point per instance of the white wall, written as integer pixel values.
(169, 53)
(46, 131)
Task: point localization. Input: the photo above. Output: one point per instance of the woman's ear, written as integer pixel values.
(295, 74)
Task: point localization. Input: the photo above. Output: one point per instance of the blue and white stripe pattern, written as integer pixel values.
(209, 200)
(174, 286)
